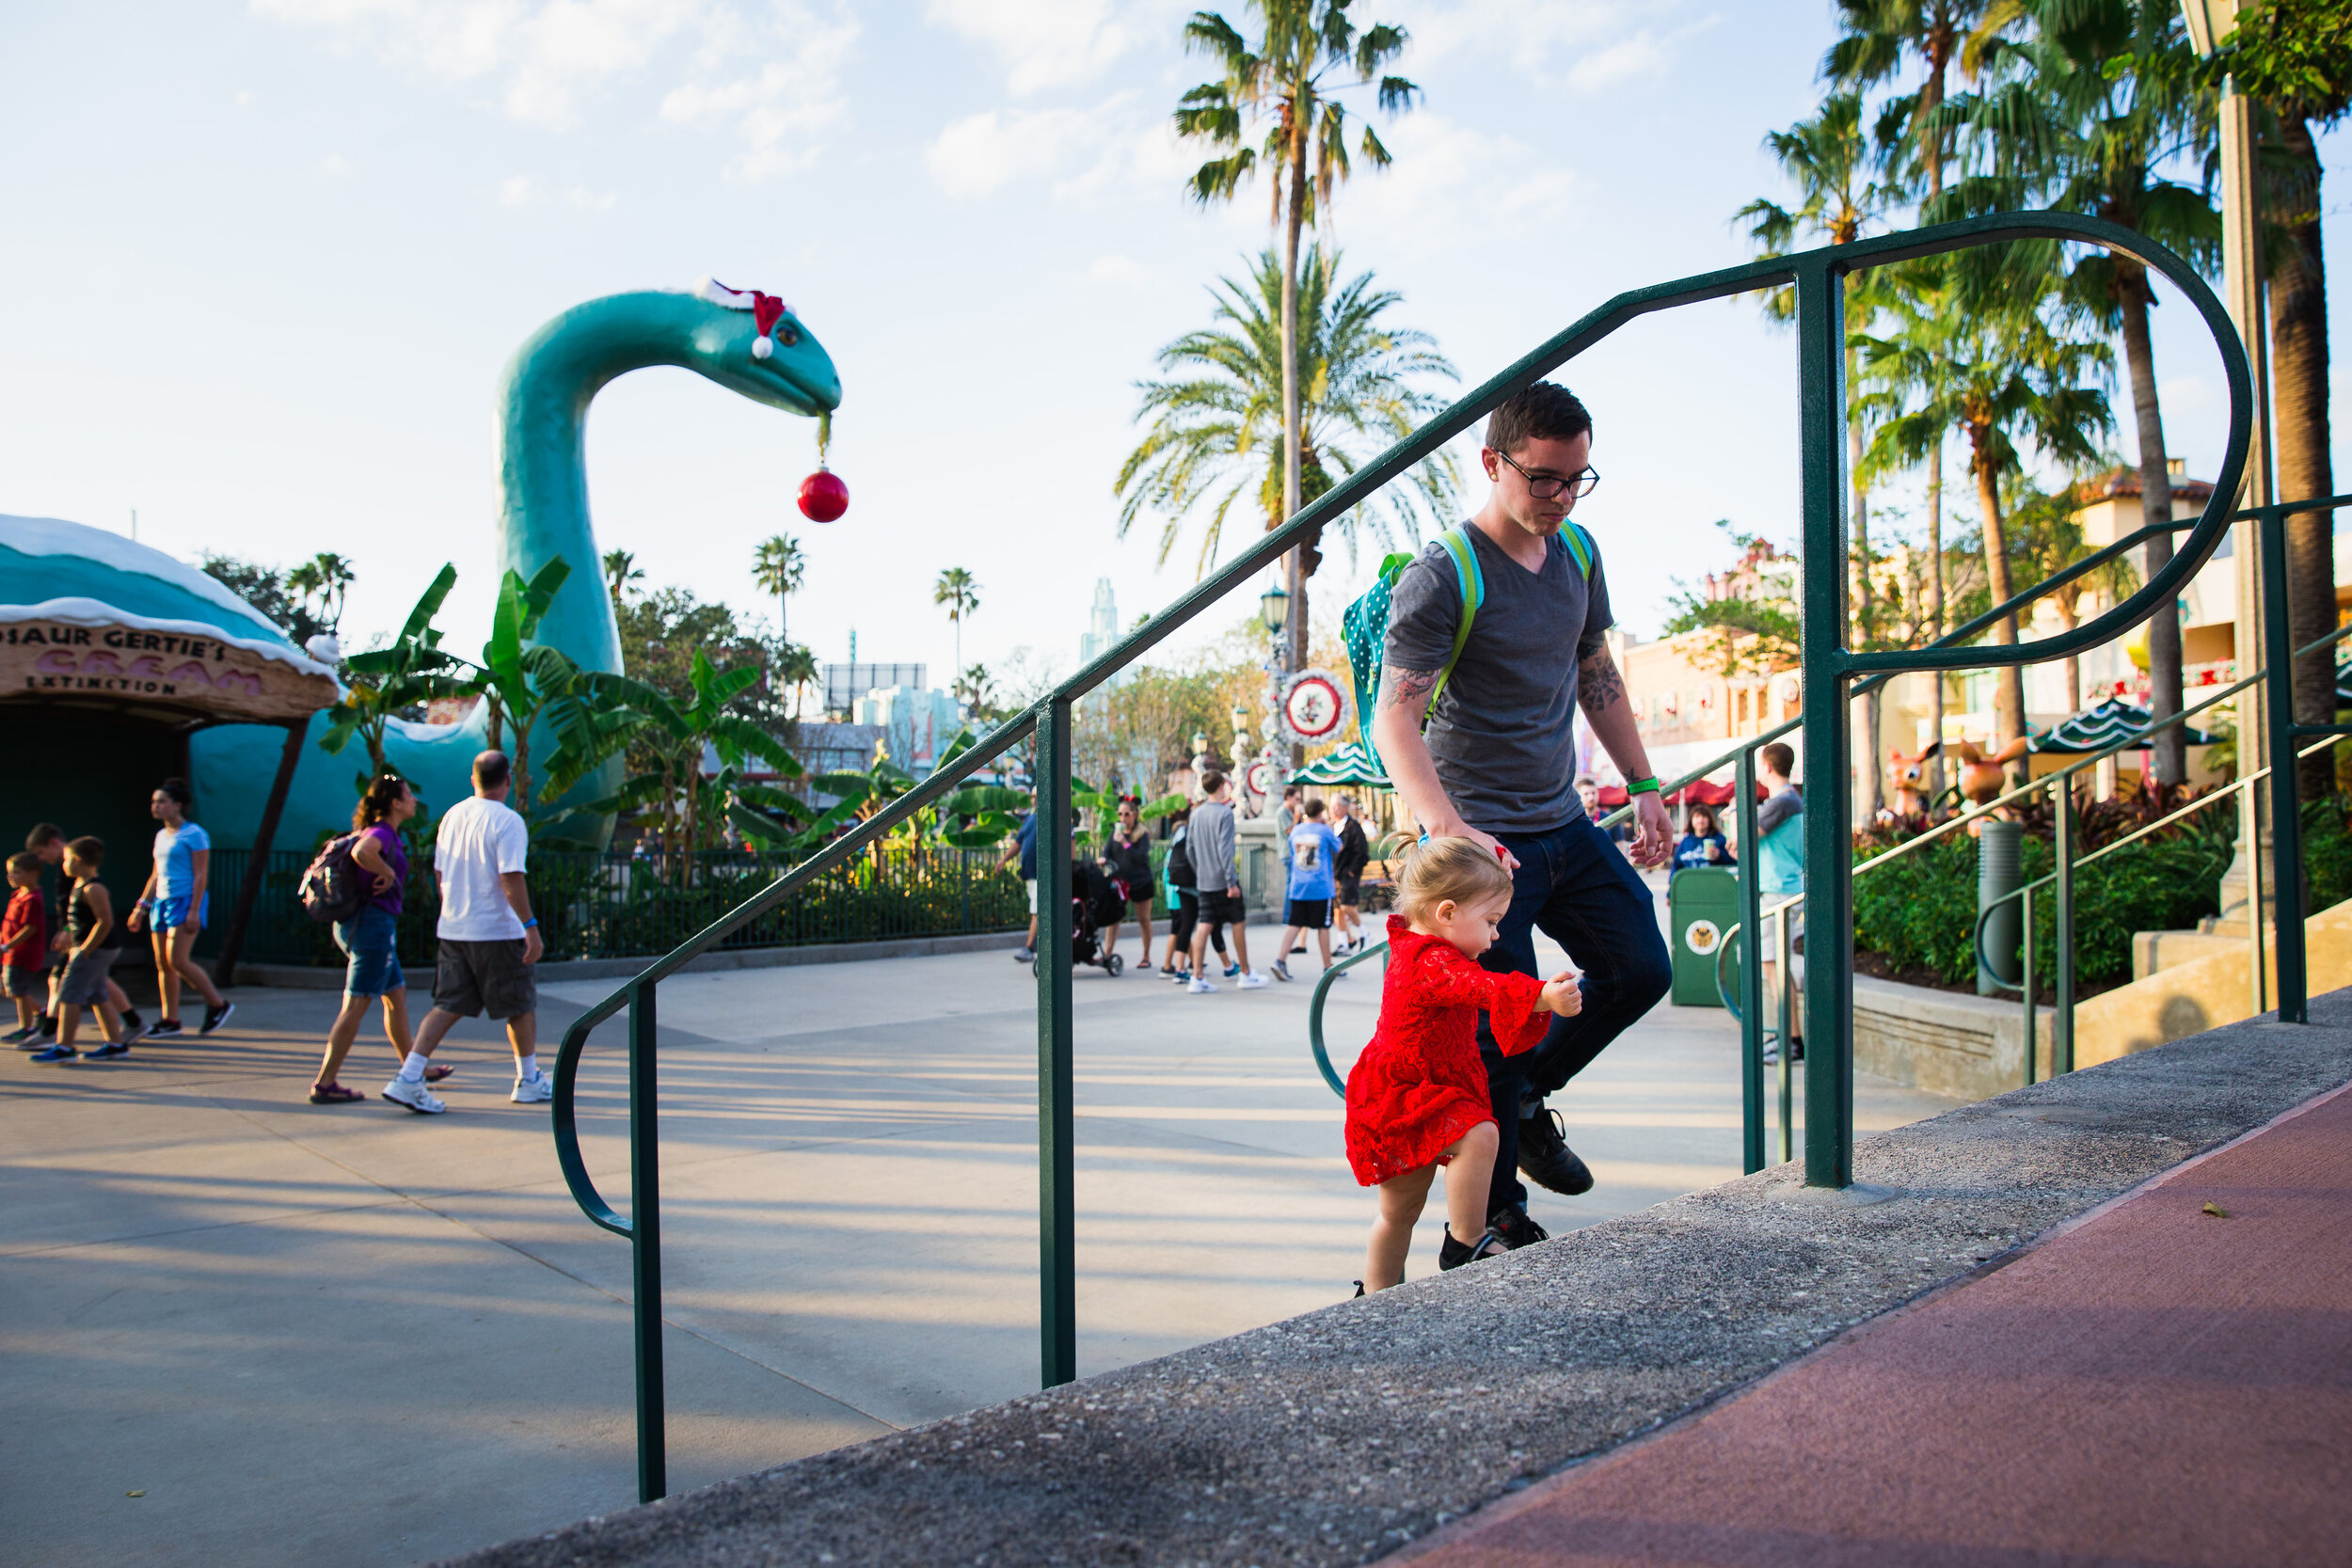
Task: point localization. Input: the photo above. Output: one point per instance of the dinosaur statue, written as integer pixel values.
(748, 343)
(1981, 772)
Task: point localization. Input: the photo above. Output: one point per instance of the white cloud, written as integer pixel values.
(244, 101)
(769, 69)
(519, 191)
(1114, 146)
(1124, 270)
(335, 166)
(1049, 43)
(1453, 187)
(1589, 43)
(583, 200)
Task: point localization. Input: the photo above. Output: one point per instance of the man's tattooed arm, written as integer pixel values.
(1599, 687)
(1406, 688)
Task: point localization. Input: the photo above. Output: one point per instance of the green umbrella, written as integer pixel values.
(2100, 726)
(1350, 764)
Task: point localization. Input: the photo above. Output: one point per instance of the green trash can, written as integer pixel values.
(1702, 904)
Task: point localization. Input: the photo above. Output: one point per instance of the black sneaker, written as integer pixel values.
(215, 1017)
(133, 1023)
(1517, 1227)
(168, 1029)
(109, 1049)
(1454, 1254)
(1545, 1157)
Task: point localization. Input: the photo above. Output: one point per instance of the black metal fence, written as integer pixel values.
(593, 905)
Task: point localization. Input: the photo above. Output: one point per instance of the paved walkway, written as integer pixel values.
(2166, 1382)
(353, 1335)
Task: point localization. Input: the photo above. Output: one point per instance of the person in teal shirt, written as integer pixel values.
(1780, 862)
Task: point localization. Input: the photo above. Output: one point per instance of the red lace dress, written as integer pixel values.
(1420, 1086)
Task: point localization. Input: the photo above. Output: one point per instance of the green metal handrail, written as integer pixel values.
(1817, 278)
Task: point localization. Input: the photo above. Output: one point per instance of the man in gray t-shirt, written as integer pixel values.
(1498, 766)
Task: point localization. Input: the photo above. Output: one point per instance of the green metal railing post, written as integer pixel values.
(1829, 813)
(645, 1210)
(1751, 977)
(2286, 817)
(2062, 1024)
(1056, 1178)
(2029, 982)
(1786, 947)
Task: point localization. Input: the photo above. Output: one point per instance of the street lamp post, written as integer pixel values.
(2210, 25)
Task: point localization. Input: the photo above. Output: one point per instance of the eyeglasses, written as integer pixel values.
(1544, 487)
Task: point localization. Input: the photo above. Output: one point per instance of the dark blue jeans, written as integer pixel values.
(1577, 887)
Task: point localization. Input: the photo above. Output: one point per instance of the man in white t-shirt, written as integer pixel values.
(489, 939)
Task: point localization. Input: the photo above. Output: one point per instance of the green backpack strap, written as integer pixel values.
(1581, 549)
(1473, 585)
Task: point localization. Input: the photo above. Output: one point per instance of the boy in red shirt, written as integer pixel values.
(23, 944)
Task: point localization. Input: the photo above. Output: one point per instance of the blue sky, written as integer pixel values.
(261, 266)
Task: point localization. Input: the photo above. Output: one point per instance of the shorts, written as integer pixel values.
(1222, 908)
(471, 977)
(84, 982)
(21, 979)
(369, 939)
(169, 914)
(1030, 882)
(1313, 914)
(1351, 890)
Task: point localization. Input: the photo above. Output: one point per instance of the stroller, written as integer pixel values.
(1095, 906)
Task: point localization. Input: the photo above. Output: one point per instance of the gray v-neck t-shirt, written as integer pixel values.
(1503, 733)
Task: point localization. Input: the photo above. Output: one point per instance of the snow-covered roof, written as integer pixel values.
(48, 558)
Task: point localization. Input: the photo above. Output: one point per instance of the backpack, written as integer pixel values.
(1364, 627)
(1179, 862)
(335, 887)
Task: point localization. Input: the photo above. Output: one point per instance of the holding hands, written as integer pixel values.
(1564, 993)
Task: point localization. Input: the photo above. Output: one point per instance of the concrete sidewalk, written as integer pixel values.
(348, 1334)
(2168, 1381)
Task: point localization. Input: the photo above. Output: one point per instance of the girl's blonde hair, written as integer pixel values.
(1442, 868)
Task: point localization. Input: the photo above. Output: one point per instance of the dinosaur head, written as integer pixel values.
(753, 343)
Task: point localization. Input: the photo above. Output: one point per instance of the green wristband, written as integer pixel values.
(1642, 786)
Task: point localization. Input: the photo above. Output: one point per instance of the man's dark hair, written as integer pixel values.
(1544, 412)
(491, 769)
(43, 836)
(1211, 781)
(1290, 792)
(1778, 757)
(89, 852)
(1314, 807)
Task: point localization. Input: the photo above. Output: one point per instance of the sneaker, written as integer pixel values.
(1281, 969)
(1232, 968)
(166, 1029)
(109, 1049)
(1182, 976)
(22, 1039)
(1545, 1157)
(132, 1024)
(415, 1096)
(1201, 988)
(215, 1017)
(57, 1053)
(1517, 1227)
(533, 1090)
(1025, 955)
(1249, 982)
(1772, 1052)
(1339, 975)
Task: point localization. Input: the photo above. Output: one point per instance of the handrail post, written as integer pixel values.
(1829, 812)
(1057, 1271)
(2062, 1023)
(645, 1236)
(2025, 973)
(2286, 820)
(1785, 947)
(1751, 975)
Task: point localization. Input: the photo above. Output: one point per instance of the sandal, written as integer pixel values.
(435, 1074)
(1453, 1254)
(333, 1094)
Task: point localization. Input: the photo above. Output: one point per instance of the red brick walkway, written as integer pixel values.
(2157, 1385)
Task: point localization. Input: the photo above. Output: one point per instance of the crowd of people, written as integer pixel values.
(58, 949)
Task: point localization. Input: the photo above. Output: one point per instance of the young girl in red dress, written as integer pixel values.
(1417, 1097)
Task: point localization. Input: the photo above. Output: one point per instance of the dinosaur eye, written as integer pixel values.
(786, 333)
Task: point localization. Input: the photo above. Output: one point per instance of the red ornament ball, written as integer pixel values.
(823, 497)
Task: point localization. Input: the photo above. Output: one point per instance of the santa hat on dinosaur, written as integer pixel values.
(766, 309)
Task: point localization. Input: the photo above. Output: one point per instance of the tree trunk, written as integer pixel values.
(2009, 692)
(2169, 755)
(2299, 380)
(1868, 776)
(1935, 611)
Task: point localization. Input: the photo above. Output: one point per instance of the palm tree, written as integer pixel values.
(1215, 424)
(960, 590)
(976, 690)
(795, 668)
(2077, 115)
(1998, 373)
(1288, 84)
(1830, 159)
(777, 567)
(2293, 58)
(326, 579)
(620, 570)
(2046, 536)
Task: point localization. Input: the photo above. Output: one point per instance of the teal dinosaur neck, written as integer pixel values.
(542, 460)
